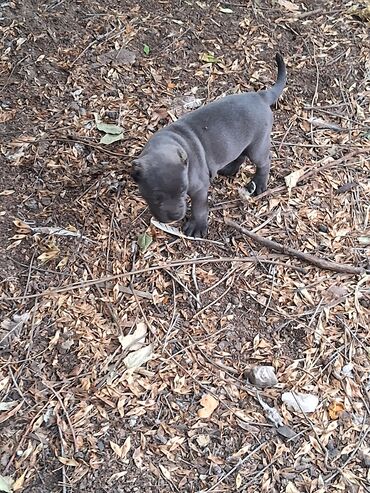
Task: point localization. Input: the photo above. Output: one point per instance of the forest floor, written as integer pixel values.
(80, 408)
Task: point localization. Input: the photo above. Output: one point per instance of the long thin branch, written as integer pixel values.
(165, 266)
(306, 257)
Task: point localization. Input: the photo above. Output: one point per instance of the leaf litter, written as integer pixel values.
(65, 390)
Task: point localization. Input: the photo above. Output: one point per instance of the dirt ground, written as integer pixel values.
(75, 416)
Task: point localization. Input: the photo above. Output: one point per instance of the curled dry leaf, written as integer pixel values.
(123, 450)
(12, 328)
(135, 340)
(263, 376)
(5, 406)
(139, 357)
(68, 462)
(203, 440)
(292, 179)
(209, 404)
(272, 413)
(335, 409)
(306, 403)
(6, 483)
(176, 232)
(364, 240)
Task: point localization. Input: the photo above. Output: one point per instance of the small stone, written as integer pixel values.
(31, 204)
(263, 376)
(366, 459)
(322, 228)
(286, 432)
(45, 201)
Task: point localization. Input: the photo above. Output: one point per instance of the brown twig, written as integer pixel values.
(312, 172)
(176, 263)
(306, 257)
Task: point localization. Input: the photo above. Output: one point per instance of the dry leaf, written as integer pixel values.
(306, 403)
(166, 473)
(335, 409)
(68, 462)
(238, 481)
(139, 357)
(290, 6)
(5, 406)
(171, 230)
(48, 255)
(18, 483)
(138, 458)
(292, 179)
(203, 440)
(291, 488)
(6, 483)
(136, 339)
(209, 404)
(12, 328)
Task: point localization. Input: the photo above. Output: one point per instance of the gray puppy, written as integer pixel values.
(182, 158)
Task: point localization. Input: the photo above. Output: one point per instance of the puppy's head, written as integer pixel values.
(162, 177)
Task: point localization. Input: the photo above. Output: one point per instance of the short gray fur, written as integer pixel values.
(182, 158)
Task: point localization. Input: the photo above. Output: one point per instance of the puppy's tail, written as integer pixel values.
(271, 95)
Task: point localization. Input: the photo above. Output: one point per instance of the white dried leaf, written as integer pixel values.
(136, 339)
(364, 240)
(139, 357)
(289, 6)
(6, 406)
(203, 440)
(176, 232)
(12, 328)
(292, 179)
(271, 413)
(306, 403)
(347, 370)
(56, 231)
(6, 484)
(263, 376)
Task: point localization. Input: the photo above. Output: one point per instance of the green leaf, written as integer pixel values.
(146, 49)
(110, 138)
(108, 128)
(144, 241)
(226, 11)
(209, 58)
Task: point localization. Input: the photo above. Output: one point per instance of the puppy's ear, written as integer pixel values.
(183, 156)
(136, 171)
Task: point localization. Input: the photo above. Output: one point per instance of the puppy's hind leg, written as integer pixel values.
(259, 154)
(232, 168)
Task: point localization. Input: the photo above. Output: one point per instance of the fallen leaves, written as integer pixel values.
(209, 405)
(310, 328)
(305, 403)
(113, 133)
(123, 450)
(135, 340)
(293, 178)
(138, 358)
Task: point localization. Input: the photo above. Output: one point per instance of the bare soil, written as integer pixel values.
(72, 417)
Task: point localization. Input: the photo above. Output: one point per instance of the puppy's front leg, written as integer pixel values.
(197, 225)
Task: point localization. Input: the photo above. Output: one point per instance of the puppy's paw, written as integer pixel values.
(257, 186)
(195, 229)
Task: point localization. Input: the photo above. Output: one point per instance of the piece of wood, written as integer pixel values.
(306, 257)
